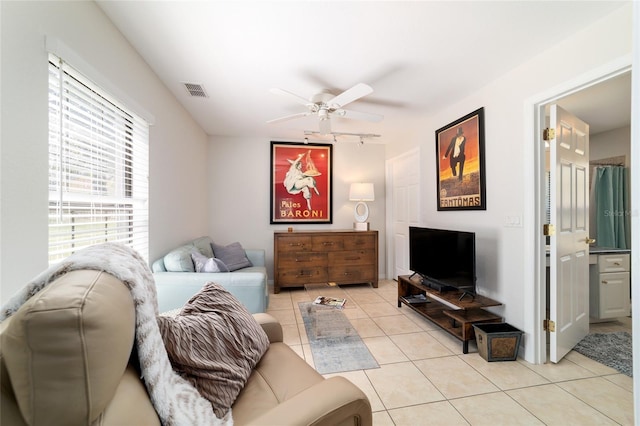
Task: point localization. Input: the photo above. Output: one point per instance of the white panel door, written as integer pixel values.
(403, 189)
(569, 258)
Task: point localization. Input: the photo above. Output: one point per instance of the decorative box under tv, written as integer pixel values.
(498, 342)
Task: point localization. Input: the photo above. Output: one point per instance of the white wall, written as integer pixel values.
(178, 147)
(613, 143)
(502, 259)
(239, 175)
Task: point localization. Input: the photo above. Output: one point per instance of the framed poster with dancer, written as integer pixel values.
(301, 183)
(460, 164)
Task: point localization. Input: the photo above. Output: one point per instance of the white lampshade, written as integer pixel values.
(361, 192)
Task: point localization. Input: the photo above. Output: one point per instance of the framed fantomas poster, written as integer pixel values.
(301, 183)
(460, 164)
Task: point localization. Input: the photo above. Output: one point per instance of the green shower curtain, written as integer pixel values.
(612, 207)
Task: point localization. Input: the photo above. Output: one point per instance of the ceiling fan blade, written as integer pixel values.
(293, 96)
(288, 117)
(325, 126)
(350, 95)
(357, 115)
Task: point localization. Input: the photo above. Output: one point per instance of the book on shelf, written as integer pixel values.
(415, 298)
(330, 301)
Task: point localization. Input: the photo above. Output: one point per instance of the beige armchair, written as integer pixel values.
(65, 358)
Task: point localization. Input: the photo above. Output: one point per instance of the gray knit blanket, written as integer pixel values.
(175, 400)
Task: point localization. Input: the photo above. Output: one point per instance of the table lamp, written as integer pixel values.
(361, 192)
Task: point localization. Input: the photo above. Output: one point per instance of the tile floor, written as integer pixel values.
(424, 378)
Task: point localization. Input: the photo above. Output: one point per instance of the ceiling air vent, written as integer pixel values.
(196, 90)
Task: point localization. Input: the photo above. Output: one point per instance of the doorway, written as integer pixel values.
(561, 97)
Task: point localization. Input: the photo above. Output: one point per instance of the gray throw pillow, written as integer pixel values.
(233, 255)
(203, 263)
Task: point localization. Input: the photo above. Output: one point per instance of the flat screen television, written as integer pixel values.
(445, 259)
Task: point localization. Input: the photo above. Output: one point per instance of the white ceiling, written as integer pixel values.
(604, 106)
(418, 56)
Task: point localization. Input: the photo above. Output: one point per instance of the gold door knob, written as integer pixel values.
(589, 240)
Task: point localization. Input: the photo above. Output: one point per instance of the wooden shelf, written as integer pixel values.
(451, 297)
(453, 311)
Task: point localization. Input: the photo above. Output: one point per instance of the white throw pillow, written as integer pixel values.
(207, 264)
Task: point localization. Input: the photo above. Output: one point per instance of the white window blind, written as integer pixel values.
(98, 167)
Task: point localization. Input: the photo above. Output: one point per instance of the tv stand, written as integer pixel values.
(453, 311)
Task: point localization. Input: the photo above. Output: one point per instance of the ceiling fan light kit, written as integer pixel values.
(325, 104)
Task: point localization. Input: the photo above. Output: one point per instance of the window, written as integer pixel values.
(98, 167)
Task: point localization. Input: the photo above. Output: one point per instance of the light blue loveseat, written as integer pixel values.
(177, 280)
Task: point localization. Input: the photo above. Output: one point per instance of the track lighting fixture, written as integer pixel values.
(335, 135)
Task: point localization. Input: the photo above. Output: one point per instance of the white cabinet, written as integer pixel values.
(609, 287)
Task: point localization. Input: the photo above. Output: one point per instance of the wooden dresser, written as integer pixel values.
(341, 257)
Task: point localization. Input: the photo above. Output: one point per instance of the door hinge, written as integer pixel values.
(548, 134)
(549, 325)
(548, 230)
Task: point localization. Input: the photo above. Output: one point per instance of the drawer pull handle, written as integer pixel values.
(616, 263)
(296, 245)
(605, 282)
(303, 274)
(328, 243)
(302, 260)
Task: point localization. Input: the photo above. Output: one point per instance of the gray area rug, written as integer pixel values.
(611, 349)
(335, 344)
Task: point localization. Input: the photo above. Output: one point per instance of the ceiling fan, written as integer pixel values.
(325, 105)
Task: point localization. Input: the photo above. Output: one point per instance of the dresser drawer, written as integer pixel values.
(302, 259)
(327, 243)
(293, 243)
(613, 262)
(352, 257)
(360, 242)
(351, 273)
(301, 276)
